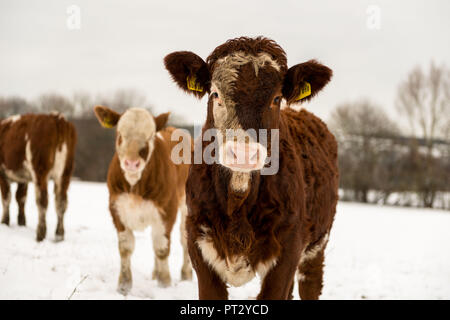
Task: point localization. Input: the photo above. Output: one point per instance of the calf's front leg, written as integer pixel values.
(161, 247)
(277, 284)
(126, 248)
(186, 270)
(210, 285)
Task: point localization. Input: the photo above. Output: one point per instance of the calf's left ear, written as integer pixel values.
(303, 81)
(161, 121)
(189, 71)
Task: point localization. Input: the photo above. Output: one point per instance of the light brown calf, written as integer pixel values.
(146, 189)
(36, 148)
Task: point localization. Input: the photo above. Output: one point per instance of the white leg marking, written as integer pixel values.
(161, 248)
(126, 248)
(161, 272)
(160, 241)
(126, 240)
(312, 253)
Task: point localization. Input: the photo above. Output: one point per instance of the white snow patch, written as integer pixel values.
(374, 252)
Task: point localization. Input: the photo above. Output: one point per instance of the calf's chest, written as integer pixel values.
(137, 213)
(235, 270)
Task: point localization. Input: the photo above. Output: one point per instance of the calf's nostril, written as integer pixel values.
(132, 164)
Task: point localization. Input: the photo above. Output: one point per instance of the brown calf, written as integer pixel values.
(241, 222)
(146, 189)
(36, 148)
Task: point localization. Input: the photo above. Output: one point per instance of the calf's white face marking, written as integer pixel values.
(224, 77)
(226, 71)
(136, 131)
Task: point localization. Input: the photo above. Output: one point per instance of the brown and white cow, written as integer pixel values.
(36, 148)
(241, 222)
(145, 189)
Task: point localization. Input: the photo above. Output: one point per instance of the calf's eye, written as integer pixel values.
(277, 100)
(143, 153)
(215, 95)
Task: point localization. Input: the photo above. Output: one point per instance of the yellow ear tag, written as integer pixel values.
(107, 123)
(304, 92)
(192, 84)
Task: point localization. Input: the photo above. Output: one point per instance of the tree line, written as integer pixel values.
(402, 162)
(96, 145)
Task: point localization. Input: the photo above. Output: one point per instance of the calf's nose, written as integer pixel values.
(242, 153)
(132, 165)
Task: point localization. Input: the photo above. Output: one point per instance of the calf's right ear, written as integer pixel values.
(189, 72)
(108, 118)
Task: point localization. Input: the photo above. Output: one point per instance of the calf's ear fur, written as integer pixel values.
(189, 72)
(304, 80)
(161, 120)
(108, 118)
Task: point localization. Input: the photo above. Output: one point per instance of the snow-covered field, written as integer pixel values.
(374, 253)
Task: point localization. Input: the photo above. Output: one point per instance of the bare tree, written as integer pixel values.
(54, 102)
(362, 118)
(361, 129)
(424, 99)
(84, 105)
(123, 99)
(14, 105)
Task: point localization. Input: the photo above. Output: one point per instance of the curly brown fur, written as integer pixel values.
(277, 220)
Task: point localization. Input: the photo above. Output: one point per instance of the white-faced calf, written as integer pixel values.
(145, 188)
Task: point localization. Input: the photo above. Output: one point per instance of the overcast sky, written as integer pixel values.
(121, 44)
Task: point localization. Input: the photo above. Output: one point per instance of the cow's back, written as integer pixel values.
(39, 135)
(13, 134)
(317, 150)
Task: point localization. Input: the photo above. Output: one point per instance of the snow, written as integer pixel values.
(374, 252)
